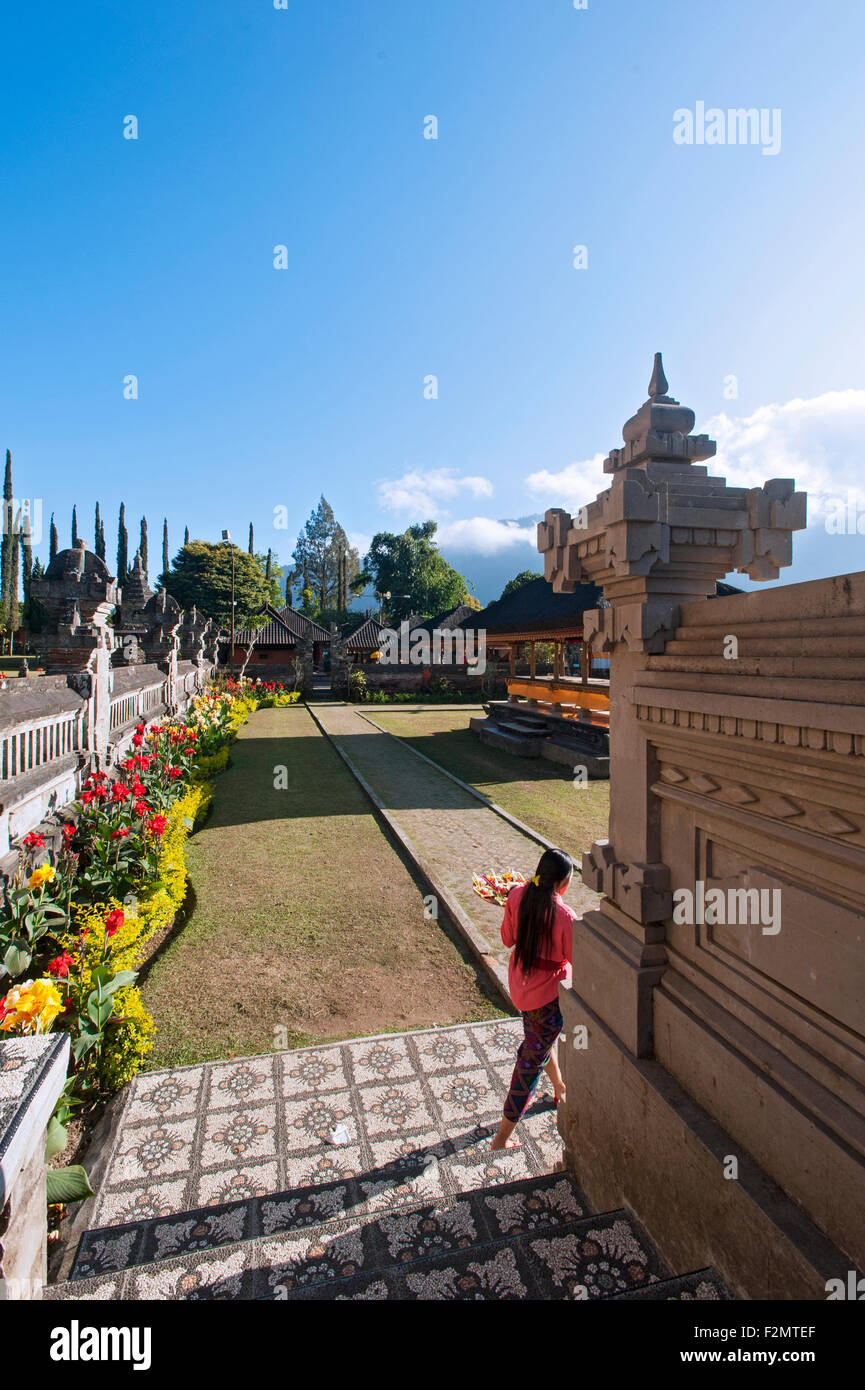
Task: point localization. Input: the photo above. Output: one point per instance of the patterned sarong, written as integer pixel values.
(541, 1028)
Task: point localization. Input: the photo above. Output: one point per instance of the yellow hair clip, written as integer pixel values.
(537, 880)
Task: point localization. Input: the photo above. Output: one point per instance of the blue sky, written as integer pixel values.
(261, 388)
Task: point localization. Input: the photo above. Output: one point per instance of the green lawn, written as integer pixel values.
(304, 916)
(540, 794)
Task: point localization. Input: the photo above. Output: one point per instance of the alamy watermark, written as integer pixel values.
(728, 907)
(441, 647)
(735, 126)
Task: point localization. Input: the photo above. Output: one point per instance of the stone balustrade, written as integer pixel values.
(101, 678)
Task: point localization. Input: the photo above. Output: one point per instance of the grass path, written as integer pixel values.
(304, 918)
(538, 793)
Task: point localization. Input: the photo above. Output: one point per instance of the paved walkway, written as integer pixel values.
(452, 831)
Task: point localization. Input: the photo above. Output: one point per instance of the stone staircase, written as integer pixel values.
(439, 1216)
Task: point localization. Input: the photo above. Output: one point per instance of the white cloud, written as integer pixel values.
(573, 487)
(481, 535)
(360, 541)
(423, 491)
(815, 441)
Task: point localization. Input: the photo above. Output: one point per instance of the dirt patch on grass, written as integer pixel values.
(305, 918)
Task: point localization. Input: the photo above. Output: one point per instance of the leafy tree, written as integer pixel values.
(519, 581)
(53, 540)
(201, 575)
(325, 562)
(411, 568)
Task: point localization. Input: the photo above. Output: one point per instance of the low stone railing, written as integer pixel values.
(32, 1075)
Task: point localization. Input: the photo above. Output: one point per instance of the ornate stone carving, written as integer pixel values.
(665, 531)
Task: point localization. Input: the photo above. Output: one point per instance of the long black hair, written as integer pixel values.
(537, 908)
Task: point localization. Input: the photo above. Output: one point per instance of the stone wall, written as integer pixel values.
(101, 679)
(716, 1068)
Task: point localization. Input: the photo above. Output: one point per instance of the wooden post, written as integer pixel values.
(513, 658)
(532, 661)
(585, 662)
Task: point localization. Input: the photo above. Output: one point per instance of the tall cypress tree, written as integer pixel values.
(251, 550)
(53, 543)
(142, 545)
(13, 612)
(166, 564)
(6, 548)
(122, 547)
(186, 536)
(269, 567)
(74, 529)
(26, 567)
(99, 534)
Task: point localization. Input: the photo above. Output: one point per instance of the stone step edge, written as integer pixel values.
(482, 1247)
(73, 1288)
(655, 1291)
(445, 1202)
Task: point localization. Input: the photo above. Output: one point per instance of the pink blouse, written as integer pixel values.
(540, 985)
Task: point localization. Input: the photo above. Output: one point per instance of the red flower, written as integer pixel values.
(138, 788)
(121, 834)
(129, 764)
(143, 762)
(142, 808)
(158, 825)
(86, 798)
(33, 841)
(137, 740)
(113, 921)
(68, 832)
(119, 792)
(175, 772)
(99, 791)
(60, 966)
(139, 728)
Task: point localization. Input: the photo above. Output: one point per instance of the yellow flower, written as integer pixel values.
(44, 874)
(32, 1007)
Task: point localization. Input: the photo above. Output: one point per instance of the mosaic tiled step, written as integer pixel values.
(703, 1284)
(538, 1253)
(311, 1235)
(597, 1257)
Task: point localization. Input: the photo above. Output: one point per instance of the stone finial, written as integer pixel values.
(665, 531)
(659, 385)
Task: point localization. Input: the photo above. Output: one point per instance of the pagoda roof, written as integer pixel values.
(365, 638)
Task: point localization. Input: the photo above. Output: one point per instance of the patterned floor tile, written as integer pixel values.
(235, 1184)
(394, 1107)
(311, 1119)
(313, 1070)
(247, 1083)
(165, 1096)
(239, 1134)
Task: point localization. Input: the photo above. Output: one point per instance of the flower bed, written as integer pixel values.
(75, 925)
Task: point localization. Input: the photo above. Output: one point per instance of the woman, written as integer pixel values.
(538, 926)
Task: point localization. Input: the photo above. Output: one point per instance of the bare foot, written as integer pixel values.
(508, 1144)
